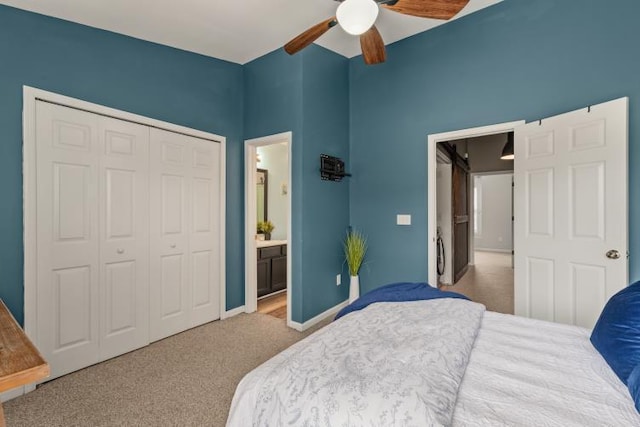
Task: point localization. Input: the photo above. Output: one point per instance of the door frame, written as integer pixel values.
(30, 97)
(432, 142)
(250, 222)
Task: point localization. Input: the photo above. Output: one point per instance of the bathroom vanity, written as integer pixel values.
(272, 266)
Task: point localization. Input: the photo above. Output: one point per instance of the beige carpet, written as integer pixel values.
(185, 380)
(489, 281)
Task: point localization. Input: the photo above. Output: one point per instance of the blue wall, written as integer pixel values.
(307, 94)
(273, 104)
(325, 204)
(516, 60)
(123, 73)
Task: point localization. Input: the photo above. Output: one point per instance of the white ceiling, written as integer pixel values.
(235, 30)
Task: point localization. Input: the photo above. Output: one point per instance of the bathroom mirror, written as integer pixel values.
(261, 194)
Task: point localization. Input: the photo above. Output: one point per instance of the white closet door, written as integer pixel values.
(170, 194)
(68, 237)
(185, 216)
(205, 231)
(124, 236)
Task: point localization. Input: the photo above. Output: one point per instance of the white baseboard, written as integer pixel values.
(233, 312)
(319, 318)
(11, 394)
(502, 251)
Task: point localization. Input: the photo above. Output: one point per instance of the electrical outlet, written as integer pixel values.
(338, 279)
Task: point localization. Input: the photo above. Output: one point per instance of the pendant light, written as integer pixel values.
(507, 151)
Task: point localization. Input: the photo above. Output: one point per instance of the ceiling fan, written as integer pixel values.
(357, 17)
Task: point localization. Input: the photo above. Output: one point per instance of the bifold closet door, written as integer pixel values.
(68, 246)
(184, 221)
(92, 241)
(124, 236)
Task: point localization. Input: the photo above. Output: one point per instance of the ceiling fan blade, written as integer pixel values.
(372, 45)
(309, 36)
(436, 9)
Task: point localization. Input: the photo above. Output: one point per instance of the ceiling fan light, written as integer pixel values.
(357, 16)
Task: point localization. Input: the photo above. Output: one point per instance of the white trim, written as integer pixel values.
(30, 96)
(11, 394)
(432, 141)
(250, 257)
(301, 327)
(500, 251)
(232, 312)
(272, 294)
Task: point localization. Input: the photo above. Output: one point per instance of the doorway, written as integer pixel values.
(490, 278)
(451, 182)
(268, 225)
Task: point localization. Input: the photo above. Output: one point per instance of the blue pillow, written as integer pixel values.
(633, 384)
(617, 333)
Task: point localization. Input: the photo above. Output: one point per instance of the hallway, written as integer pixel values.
(489, 281)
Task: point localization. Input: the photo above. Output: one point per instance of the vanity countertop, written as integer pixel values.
(267, 243)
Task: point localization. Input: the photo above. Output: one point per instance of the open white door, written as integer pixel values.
(571, 213)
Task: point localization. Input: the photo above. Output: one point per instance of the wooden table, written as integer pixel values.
(20, 361)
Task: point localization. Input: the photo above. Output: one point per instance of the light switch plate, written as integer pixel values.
(403, 219)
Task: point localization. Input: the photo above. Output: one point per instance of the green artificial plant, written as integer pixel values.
(265, 227)
(355, 247)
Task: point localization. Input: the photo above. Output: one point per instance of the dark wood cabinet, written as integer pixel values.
(264, 275)
(272, 269)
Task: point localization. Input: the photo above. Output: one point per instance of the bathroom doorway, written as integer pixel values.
(268, 225)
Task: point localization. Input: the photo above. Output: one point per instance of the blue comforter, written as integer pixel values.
(397, 292)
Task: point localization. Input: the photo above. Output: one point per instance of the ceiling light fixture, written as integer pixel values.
(507, 151)
(357, 16)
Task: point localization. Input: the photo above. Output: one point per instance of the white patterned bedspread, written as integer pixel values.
(390, 364)
(526, 372)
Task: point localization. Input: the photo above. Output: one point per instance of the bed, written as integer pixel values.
(436, 361)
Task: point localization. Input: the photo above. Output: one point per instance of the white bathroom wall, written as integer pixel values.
(275, 159)
(495, 231)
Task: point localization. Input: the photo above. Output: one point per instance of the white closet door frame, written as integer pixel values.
(30, 96)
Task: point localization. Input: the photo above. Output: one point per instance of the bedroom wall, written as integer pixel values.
(325, 203)
(120, 72)
(514, 60)
(307, 94)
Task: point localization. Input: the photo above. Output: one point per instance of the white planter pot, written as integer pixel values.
(354, 288)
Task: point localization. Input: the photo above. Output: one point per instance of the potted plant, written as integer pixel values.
(265, 227)
(355, 247)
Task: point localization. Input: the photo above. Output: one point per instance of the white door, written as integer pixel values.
(571, 213)
(124, 236)
(170, 196)
(68, 246)
(185, 257)
(204, 239)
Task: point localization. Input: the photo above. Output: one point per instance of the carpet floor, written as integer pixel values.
(184, 380)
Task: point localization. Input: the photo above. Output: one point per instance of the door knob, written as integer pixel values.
(120, 250)
(613, 254)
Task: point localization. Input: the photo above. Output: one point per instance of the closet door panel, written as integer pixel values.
(68, 237)
(205, 232)
(124, 242)
(170, 194)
